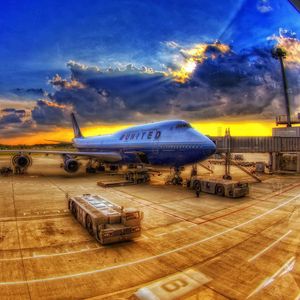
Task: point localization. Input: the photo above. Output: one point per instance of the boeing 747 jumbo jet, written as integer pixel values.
(172, 143)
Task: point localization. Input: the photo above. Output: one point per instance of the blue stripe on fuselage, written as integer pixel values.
(163, 154)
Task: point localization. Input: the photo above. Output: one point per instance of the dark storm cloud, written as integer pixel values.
(31, 92)
(92, 104)
(10, 130)
(241, 84)
(114, 95)
(245, 83)
(12, 121)
(8, 110)
(46, 112)
(13, 110)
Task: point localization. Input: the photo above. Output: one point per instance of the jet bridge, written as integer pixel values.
(261, 144)
(284, 151)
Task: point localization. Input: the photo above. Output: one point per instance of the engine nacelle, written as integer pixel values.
(71, 165)
(21, 161)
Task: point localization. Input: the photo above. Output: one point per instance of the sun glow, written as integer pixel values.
(54, 104)
(194, 56)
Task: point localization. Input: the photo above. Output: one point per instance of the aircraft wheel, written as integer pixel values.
(220, 191)
(147, 177)
(89, 224)
(129, 177)
(74, 210)
(90, 170)
(197, 186)
(174, 181)
(101, 169)
(177, 181)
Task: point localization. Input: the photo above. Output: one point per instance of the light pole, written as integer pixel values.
(280, 54)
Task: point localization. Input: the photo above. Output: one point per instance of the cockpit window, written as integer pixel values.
(184, 125)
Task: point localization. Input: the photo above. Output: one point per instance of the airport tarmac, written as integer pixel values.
(244, 248)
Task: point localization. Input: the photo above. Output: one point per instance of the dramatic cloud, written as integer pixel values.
(46, 112)
(112, 95)
(12, 121)
(290, 44)
(193, 57)
(10, 118)
(13, 110)
(32, 93)
(57, 81)
(264, 6)
(222, 83)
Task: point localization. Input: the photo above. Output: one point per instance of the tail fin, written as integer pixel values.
(77, 132)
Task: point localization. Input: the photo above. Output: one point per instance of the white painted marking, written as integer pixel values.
(286, 268)
(161, 234)
(175, 230)
(269, 247)
(193, 225)
(52, 254)
(142, 238)
(150, 257)
(176, 286)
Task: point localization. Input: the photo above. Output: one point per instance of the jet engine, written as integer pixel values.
(71, 165)
(21, 161)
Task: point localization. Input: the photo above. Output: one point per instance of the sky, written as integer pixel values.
(123, 62)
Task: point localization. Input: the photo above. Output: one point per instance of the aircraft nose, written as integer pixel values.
(211, 147)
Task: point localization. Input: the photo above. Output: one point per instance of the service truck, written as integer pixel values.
(104, 220)
(220, 187)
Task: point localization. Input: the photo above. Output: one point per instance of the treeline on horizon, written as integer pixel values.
(21, 146)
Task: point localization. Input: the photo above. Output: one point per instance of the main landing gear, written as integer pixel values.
(94, 167)
(175, 177)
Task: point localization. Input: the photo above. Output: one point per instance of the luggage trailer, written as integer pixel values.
(104, 220)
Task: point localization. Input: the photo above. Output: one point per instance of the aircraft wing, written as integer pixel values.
(103, 156)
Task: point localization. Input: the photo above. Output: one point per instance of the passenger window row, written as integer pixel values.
(180, 146)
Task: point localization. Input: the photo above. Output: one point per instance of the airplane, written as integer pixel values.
(172, 143)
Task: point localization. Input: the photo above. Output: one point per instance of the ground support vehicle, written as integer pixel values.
(137, 175)
(106, 221)
(220, 187)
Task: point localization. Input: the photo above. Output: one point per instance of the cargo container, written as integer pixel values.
(104, 220)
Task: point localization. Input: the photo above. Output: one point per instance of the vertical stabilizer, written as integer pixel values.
(77, 132)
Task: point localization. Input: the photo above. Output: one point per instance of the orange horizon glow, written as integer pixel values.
(212, 128)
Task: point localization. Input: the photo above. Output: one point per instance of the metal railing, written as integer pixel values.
(257, 144)
(283, 120)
